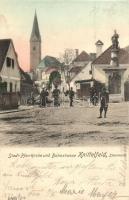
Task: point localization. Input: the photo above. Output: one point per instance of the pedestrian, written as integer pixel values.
(43, 97)
(47, 94)
(56, 96)
(92, 92)
(104, 100)
(71, 96)
(95, 99)
(32, 98)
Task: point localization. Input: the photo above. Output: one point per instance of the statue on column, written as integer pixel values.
(115, 43)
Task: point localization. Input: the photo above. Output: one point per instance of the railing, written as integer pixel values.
(9, 101)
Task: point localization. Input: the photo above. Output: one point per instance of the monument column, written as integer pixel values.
(114, 73)
(115, 50)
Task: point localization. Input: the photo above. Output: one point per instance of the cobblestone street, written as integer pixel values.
(64, 126)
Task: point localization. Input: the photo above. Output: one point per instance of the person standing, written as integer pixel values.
(47, 94)
(56, 95)
(32, 97)
(71, 96)
(43, 97)
(104, 100)
(92, 92)
(95, 99)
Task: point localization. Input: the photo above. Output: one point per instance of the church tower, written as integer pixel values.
(35, 45)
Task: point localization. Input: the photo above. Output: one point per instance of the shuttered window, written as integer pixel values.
(12, 63)
(8, 62)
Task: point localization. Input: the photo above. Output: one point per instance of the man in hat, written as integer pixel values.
(71, 96)
(104, 100)
(43, 97)
(56, 95)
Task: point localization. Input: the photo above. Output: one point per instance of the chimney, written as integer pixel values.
(76, 52)
(92, 56)
(99, 45)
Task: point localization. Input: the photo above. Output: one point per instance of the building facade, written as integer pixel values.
(45, 68)
(81, 74)
(112, 69)
(26, 86)
(9, 67)
(82, 82)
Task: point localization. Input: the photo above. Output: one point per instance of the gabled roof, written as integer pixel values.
(49, 62)
(82, 73)
(126, 48)
(105, 57)
(25, 76)
(35, 30)
(123, 57)
(82, 57)
(75, 69)
(4, 46)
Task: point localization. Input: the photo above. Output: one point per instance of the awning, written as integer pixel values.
(84, 81)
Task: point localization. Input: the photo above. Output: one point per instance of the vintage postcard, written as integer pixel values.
(64, 99)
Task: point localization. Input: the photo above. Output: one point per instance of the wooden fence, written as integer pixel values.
(9, 101)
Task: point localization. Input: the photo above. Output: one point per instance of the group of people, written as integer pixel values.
(44, 97)
(44, 100)
(94, 99)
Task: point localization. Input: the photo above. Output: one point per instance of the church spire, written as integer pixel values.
(35, 34)
(35, 45)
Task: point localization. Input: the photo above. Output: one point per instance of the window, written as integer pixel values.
(11, 87)
(3, 87)
(15, 87)
(8, 62)
(12, 63)
(34, 48)
(90, 71)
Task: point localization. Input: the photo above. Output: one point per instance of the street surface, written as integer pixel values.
(65, 126)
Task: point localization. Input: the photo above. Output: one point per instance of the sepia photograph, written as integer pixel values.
(64, 73)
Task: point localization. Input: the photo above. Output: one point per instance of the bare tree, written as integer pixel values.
(66, 58)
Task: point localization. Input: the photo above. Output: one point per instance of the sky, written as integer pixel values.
(75, 24)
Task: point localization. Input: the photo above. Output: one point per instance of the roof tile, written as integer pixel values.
(82, 57)
(105, 57)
